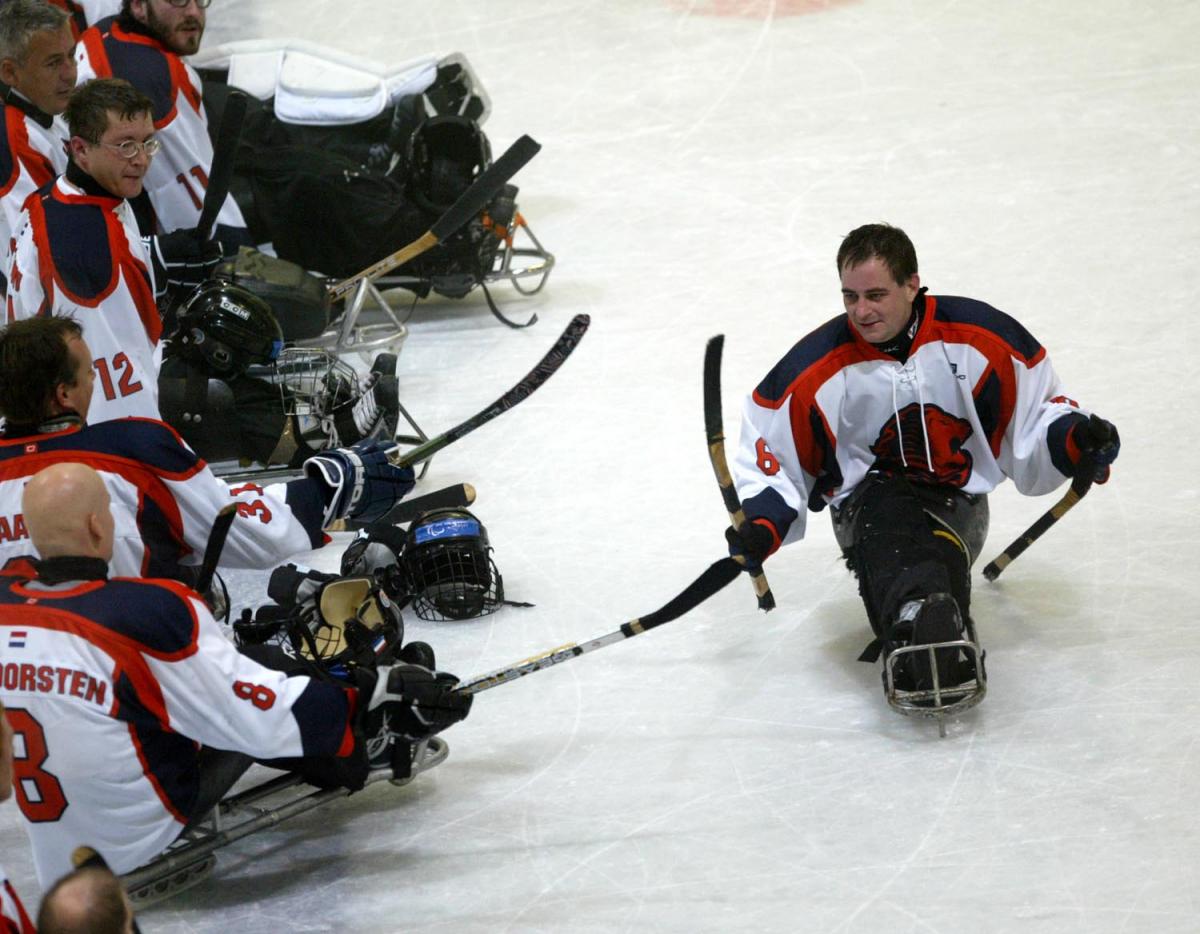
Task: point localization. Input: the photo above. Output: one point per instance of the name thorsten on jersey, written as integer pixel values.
(24, 678)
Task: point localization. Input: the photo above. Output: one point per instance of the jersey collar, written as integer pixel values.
(14, 98)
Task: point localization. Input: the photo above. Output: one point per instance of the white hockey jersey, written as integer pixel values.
(13, 919)
(976, 401)
(178, 175)
(81, 255)
(110, 687)
(164, 500)
(32, 154)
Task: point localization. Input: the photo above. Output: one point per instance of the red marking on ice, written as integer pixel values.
(754, 9)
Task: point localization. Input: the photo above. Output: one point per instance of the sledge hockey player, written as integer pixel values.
(165, 497)
(13, 919)
(37, 66)
(131, 701)
(143, 45)
(902, 415)
(80, 252)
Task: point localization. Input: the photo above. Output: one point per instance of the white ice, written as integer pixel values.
(734, 771)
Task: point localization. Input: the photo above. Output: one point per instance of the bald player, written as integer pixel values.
(129, 699)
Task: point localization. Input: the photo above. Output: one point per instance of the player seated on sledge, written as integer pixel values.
(902, 414)
(136, 704)
(165, 497)
(340, 166)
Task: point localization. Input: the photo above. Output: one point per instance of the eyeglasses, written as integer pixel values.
(180, 4)
(131, 147)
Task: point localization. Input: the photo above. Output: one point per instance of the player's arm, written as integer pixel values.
(214, 694)
(1049, 433)
(771, 483)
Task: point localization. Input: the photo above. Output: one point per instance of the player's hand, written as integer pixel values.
(187, 259)
(751, 544)
(362, 482)
(1098, 444)
(420, 702)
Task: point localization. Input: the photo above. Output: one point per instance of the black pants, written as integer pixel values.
(904, 541)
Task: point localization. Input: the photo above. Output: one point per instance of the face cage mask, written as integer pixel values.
(329, 404)
(453, 581)
(352, 623)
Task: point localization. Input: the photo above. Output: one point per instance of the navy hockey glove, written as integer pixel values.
(751, 544)
(1098, 443)
(183, 259)
(418, 702)
(360, 480)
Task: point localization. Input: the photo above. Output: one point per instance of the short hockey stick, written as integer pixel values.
(84, 857)
(547, 366)
(1085, 475)
(461, 494)
(212, 550)
(714, 428)
(469, 203)
(224, 156)
(716, 576)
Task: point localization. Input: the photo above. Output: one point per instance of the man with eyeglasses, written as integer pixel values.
(79, 250)
(143, 45)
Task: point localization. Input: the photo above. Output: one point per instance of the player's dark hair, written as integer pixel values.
(888, 243)
(87, 113)
(20, 20)
(34, 362)
(95, 904)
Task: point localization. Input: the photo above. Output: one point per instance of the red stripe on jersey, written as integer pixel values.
(23, 153)
(147, 483)
(801, 398)
(148, 771)
(93, 44)
(20, 924)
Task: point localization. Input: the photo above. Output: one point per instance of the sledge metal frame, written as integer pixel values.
(371, 323)
(190, 859)
(937, 703)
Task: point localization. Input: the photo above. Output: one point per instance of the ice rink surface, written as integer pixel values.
(735, 771)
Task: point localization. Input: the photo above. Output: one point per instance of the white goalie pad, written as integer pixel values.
(316, 85)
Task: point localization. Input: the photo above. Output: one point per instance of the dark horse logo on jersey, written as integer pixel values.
(948, 436)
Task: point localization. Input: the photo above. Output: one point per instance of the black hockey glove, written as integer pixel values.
(1098, 444)
(750, 544)
(183, 259)
(361, 482)
(418, 702)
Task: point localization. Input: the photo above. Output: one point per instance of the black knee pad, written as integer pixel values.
(900, 550)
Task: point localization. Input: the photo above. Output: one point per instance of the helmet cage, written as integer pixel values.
(448, 567)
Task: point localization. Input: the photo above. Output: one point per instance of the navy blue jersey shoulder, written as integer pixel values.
(146, 68)
(8, 164)
(148, 442)
(78, 238)
(142, 610)
(954, 309)
(810, 349)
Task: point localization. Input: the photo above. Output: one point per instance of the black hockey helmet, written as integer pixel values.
(225, 328)
(448, 567)
(444, 156)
